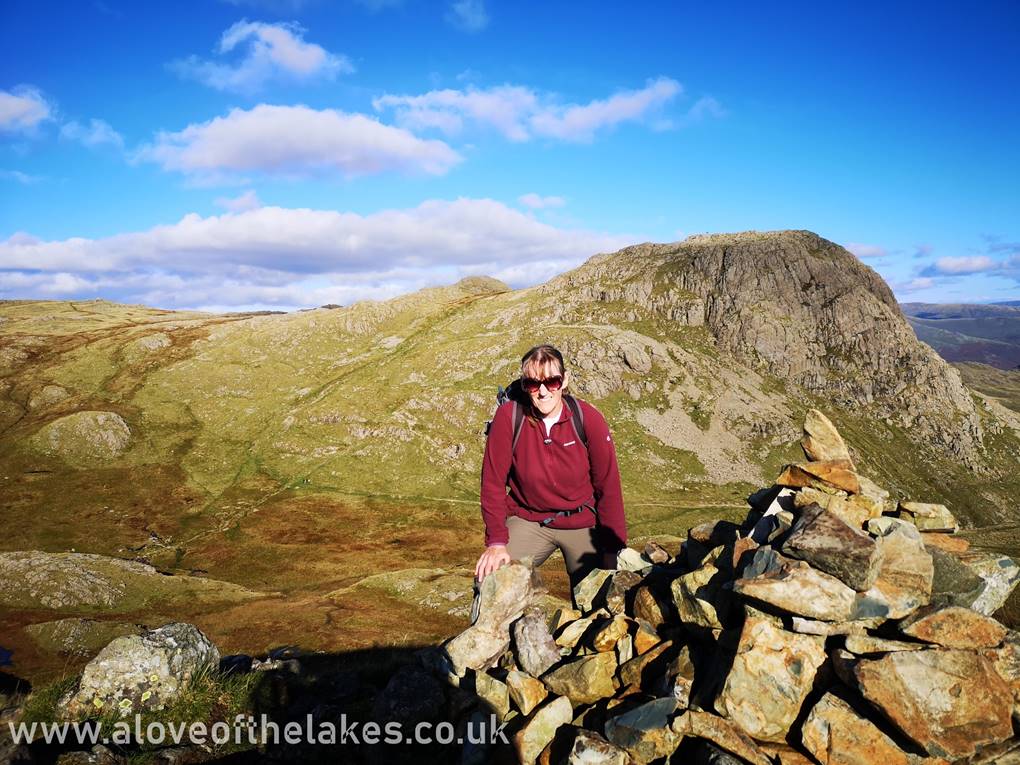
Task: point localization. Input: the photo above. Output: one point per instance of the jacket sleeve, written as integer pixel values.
(605, 479)
(495, 471)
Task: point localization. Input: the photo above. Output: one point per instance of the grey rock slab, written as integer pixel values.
(795, 587)
(830, 545)
(905, 571)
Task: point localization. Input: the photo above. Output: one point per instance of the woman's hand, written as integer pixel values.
(493, 557)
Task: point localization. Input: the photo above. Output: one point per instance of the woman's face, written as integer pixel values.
(544, 400)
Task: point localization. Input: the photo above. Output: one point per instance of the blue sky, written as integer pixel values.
(289, 153)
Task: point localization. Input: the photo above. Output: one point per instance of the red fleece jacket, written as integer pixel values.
(545, 478)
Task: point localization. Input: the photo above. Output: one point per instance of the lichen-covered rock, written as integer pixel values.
(584, 680)
(143, 672)
(505, 594)
(772, 673)
(541, 728)
(949, 702)
(47, 396)
(835, 734)
(830, 545)
(821, 441)
(905, 571)
(591, 749)
(645, 732)
(954, 627)
(534, 648)
(697, 596)
(928, 517)
(588, 589)
(85, 439)
(795, 587)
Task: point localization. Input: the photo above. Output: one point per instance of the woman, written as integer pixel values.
(564, 493)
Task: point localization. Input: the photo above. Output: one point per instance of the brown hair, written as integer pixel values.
(541, 355)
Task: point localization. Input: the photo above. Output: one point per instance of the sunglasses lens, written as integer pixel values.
(530, 384)
(552, 384)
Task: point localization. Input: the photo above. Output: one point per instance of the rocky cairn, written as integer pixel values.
(833, 626)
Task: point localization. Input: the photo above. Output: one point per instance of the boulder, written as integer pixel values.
(830, 545)
(796, 588)
(642, 669)
(722, 733)
(954, 627)
(905, 571)
(85, 439)
(137, 673)
(697, 595)
(1000, 574)
(645, 732)
(584, 680)
(610, 633)
(572, 632)
(588, 589)
(540, 729)
(504, 596)
(534, 648)
(835, 734)
(949, 702)
(772, 673)
(591, 749)
(835, 474)
(525, 691)
(928, 517)
(822, 442)
(494, 693)
(656, 553)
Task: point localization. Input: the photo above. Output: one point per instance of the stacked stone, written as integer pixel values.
(833, 626)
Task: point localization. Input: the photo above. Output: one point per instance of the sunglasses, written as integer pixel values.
(552, 384)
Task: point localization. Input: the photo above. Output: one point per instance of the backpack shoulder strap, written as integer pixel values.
(518, 417)
(578, 419)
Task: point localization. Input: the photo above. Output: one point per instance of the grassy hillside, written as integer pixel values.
(297, 455)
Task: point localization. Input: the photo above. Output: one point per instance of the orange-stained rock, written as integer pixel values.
(836, 735)
(838, 474)
(950, 702)
(821, 441)
(954, 627)
(722, 733)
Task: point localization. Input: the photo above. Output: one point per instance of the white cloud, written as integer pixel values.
(966, 264)
(579, 123)
(867, 250)
(468, 15)
(20, 177)
(23, 109)
(537, 202)
(96, 133)
(520, 113)
(915, 285)
(290, 257)
(274, 51)
(249, 200)
(293, 142)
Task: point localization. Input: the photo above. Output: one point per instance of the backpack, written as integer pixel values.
(513, 392)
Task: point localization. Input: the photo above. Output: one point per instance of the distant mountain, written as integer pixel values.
(983, 333)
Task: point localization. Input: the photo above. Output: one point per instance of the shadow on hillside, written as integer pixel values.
(378, 705)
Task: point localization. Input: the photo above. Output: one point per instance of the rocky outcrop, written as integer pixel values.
(804, 309)
(85, 438)
(852, 652)
(142, 672)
